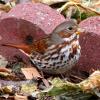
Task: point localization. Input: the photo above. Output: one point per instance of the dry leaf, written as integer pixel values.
(19, 97)
(49, 2)
(3, 61)
(8, 89)
(31, 73)
(93, 82)
(28, 89)
(2, 69)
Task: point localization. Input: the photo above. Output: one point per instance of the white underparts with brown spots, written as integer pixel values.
(58, 58)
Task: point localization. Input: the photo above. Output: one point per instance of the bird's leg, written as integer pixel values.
(45, 81)
(65, 76)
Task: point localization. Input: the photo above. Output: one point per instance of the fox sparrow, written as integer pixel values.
(58, 52)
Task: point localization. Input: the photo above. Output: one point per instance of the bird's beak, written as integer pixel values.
(79, 30)
(22, 47)
(78, 33)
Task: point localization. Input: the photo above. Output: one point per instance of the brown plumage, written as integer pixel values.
(56, 53)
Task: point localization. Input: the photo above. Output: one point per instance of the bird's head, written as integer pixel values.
(66, 31)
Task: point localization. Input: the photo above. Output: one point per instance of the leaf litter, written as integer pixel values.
(19, 88)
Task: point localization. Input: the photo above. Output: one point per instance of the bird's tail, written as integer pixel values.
(26, 49)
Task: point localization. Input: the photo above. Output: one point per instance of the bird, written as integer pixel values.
(56, 53)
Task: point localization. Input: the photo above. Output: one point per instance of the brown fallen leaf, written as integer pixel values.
(28, 89)
(7, 89)
(49, 2)
(7, 7)
(92, 83)
(19, 97)
(2, 69)
(31, 73)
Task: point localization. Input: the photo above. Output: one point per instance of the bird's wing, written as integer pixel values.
(41, 45)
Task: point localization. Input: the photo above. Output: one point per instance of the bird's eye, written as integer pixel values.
(70, 28)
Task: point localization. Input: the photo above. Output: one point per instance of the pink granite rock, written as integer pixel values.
(40, 14)
(18, 26)
(17, 31)
(90, 44)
